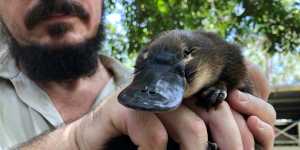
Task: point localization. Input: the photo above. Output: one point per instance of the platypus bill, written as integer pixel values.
(178, 64)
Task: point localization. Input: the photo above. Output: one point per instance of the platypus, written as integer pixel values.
(179, 64)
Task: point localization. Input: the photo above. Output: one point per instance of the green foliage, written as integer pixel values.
(277, 20)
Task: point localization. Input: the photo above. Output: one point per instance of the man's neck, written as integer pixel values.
(75, 98)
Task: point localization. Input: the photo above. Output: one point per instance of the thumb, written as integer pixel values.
(144, 128)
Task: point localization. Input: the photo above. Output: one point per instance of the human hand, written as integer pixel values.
(146, 129)
(230, 130)
(112, 119)
(259, 124)
(224, 121)
(261, 115)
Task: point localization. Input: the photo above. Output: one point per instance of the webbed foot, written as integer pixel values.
(212, 96)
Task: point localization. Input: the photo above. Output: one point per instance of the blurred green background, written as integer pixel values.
(267, 30)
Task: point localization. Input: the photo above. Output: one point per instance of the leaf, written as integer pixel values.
(162, 7)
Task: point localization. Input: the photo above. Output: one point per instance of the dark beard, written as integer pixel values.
(68, 62)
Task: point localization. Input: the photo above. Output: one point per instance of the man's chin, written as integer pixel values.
(58, 59)
(61, 43)
(67, 40)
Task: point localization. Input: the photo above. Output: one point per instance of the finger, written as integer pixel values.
(251, 105)
(263, 132)
(259, 82)
(186, 128)
(146, 131)
(247, 137)
(222, 125)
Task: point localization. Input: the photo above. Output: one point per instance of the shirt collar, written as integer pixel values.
(8, 69)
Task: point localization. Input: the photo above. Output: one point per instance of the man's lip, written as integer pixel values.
(58, 17)
(58, 14)
(53, 16)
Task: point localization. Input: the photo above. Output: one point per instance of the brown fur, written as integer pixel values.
(211, 59)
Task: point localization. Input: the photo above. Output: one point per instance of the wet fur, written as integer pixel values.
(211, 60)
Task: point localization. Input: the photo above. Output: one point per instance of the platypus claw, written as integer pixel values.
(212, 146)
(212, 96)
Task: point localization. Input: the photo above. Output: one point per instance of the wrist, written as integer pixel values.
(70, 136)
(76, 136)
(83, 135)
(60, 139)
(93, 130)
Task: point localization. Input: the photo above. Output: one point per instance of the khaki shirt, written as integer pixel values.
(27, 111)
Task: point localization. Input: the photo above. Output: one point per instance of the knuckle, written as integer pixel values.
(197, 129)
(269, 137)
(159, 138)
(271, 133)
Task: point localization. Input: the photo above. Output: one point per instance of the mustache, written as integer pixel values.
(46, 8)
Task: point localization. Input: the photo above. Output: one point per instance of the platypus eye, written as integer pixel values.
(187, 51)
